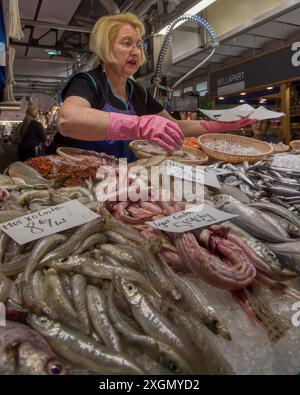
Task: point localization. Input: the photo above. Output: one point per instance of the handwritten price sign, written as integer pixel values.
(45, 222)
(184, 221)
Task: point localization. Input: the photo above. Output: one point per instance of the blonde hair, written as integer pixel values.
(105, 32)
(31, 113)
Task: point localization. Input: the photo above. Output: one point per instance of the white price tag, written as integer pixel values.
(184, 172)
(45, 222)
(198, 217)
(200, 174)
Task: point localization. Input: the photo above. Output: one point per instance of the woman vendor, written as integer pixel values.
(104, 109)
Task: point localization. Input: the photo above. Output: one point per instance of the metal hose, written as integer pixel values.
(164, 48)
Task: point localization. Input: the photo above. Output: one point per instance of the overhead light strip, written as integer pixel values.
(192, 11)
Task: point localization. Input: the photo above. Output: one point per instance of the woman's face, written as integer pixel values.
(127, 49)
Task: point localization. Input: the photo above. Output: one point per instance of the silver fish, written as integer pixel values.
(82, 350)
(249, 219)
(156, 325)
(97, 307)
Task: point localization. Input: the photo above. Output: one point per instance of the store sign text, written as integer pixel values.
(296, 55)
(230, 79)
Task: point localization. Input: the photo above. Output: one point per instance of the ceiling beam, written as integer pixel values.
(44, 77)
(56, 26)
(42, 46)
(51, 60)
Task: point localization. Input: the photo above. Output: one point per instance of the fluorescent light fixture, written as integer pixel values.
(243, 94)
(269, 88)
(242, 101)
(221, 98)
(192, 11)
(52, 52)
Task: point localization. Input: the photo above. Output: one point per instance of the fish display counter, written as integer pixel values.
(117, 295)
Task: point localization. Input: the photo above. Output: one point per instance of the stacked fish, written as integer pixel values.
(99, 300)
(222, 256)
(111, 297)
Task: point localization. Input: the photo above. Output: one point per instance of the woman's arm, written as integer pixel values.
(78, 120)
(196, 128)
(189, 128)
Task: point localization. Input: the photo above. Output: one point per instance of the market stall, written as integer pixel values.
(124, 293)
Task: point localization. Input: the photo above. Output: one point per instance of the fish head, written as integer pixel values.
(41, 324)
(221, 200)
(130, 291)
(33, 359)
(218, 327)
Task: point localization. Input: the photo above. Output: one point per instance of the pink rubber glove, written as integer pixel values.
(220, 127)
(154, 128)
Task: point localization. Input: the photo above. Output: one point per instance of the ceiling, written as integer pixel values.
(274, 30)
(47, 25)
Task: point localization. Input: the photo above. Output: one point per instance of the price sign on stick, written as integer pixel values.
(200, 174)
(55, 219)
(198, 217)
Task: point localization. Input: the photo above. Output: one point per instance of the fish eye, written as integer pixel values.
(55, 369)
(173, 367)
(43, 320)
(130, 287)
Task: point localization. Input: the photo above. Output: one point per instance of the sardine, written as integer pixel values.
(249, 219)
(279, 210)
(288, 254)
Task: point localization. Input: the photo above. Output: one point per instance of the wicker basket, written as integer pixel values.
(295, 144)
(70, 153)
(201, 157)
(286, 148)
(264, 148)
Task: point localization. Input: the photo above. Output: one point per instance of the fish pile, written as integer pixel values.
(232, 148)
(116, 296)
(153, 149)
(99, 300)
(286, 161)
(221, 256)
(54, 166)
